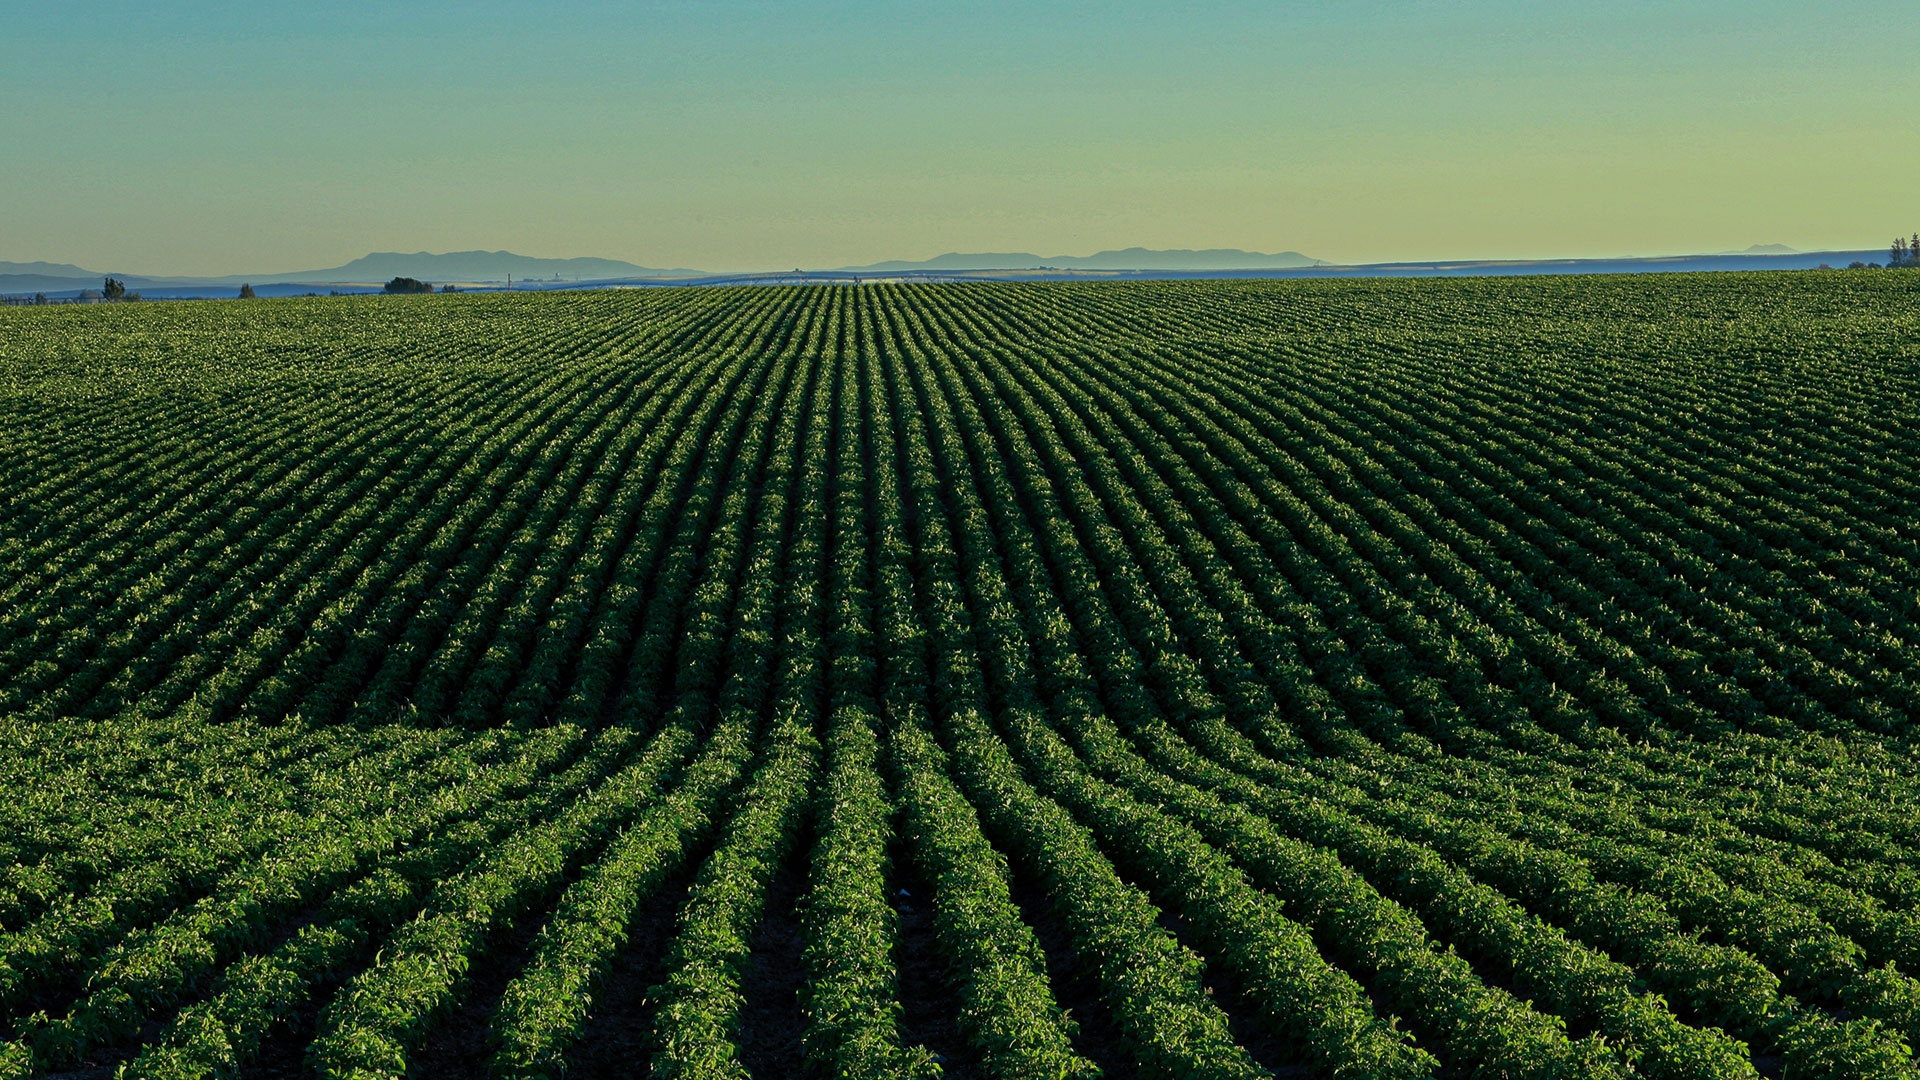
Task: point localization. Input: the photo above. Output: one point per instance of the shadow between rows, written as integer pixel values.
(1076, 984)
(929, 1005)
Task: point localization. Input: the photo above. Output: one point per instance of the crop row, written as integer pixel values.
(1415, 679)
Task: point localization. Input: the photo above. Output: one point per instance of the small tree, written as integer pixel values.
(39, 298)
(114, 289)
(246, 292)
(408, 285)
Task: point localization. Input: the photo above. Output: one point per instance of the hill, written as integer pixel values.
(493, 267)
(50, 278)
(370, 269)
(43, 270)
(466, 266)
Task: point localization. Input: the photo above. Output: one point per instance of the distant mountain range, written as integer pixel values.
(494, 267)
(476, 267)
(491, 269)
(42, 269)
(469, 266)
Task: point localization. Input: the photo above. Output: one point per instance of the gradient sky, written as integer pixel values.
(243, 137)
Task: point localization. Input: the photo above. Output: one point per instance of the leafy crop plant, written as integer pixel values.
(1455, 678)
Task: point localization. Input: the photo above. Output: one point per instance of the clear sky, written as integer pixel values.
(240, 137)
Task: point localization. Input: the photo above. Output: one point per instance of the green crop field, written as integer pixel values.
(1450, 678)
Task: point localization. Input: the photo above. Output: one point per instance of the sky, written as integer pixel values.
(214, 138)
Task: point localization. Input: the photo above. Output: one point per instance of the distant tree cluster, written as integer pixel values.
(1904, 253)
(408, 285)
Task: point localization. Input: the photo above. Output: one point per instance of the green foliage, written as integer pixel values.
(1508, 678)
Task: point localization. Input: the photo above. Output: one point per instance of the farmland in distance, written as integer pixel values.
(1451, 678)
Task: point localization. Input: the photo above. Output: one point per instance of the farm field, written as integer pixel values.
(1494, 678)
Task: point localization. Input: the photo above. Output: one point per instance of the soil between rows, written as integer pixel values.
(616, 1039)
(1075, 983)
(771, 1023)
(929, 1007)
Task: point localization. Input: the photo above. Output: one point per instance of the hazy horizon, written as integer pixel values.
(375, 266)
(222, 138)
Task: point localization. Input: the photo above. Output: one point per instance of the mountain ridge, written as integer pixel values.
(479, 266)
(461, 266)
(372, 268)
(490, 268)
